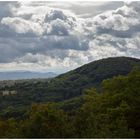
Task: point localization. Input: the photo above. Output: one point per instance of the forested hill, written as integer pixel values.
(93, 73)
(111, 113)
(65, 86)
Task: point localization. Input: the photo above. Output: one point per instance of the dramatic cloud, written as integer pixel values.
(47, 36)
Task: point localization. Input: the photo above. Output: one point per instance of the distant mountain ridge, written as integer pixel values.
(17, 75)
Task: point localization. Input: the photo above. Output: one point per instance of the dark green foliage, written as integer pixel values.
(71, 104)
(112, 114)
(115, 112)
(45, 121)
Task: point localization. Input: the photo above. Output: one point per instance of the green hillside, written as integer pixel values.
(64, 87)
(113, 113)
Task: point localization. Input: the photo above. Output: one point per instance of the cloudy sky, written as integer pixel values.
(60, 36)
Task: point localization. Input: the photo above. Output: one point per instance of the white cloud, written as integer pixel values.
(42, 37)
(20, 25)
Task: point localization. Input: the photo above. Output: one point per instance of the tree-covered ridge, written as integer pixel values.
(64, 87)
(114, 113)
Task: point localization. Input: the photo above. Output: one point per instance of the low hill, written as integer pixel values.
(92, 74)
(68, 85)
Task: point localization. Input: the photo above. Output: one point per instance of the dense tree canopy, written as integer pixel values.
(113, 113)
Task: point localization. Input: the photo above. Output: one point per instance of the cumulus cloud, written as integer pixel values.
(43, 37)
(114, 32)
(22, 26)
